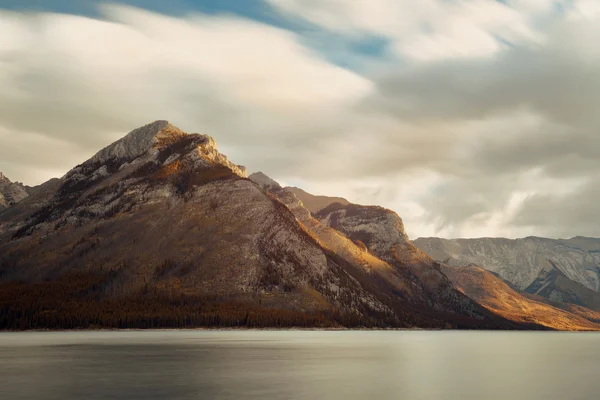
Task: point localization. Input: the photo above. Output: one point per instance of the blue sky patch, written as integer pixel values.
(347, 52)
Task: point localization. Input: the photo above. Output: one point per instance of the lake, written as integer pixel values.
(315, 365)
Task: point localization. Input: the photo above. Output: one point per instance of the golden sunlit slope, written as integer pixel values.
(374, 238)
(490, 291)
(419, 291)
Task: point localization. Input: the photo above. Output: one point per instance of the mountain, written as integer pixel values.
(521, 261)
(418, 285)
(10, 193)
(160, 229)
(485, 288)
(380, 233)
(38, 197)
(316, 203)
(551, 283)
(417, 277)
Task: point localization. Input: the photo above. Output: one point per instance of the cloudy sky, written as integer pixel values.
(468, 118)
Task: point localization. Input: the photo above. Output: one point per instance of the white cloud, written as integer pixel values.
(586, 9)
(423, 30)
(470, 146)
(79, 79)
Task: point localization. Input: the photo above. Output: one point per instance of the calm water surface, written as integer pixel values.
(299, 365)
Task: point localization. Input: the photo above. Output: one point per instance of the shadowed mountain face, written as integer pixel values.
(160, 229)
(552, 284)
(521, 261)
(39, 196)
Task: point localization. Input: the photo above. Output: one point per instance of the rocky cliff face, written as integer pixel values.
(10, 193)
(39, 196)
(354, 253)
(374, 238)
(520, 261)
(551, 283)
(150, 164)
(381, 231)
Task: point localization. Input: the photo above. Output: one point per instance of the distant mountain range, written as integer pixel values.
(160, 229)
(561, 270)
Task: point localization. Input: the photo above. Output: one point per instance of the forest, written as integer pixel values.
(76, 301)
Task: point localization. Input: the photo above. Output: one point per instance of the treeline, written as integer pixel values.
(76, 302)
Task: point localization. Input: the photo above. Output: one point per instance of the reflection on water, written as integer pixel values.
(299, 365)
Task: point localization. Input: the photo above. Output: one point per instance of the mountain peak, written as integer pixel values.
(158, 142)
(139, 141)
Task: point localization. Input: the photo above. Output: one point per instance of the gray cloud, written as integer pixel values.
(564, 215)
(520, 122)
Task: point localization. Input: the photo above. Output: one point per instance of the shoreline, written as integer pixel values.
(106, 330)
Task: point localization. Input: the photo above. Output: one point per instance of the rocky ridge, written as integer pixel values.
(520, 261)
(381, 231)
(374, 237)
(553, 284)
(11, 193)
(430, 281)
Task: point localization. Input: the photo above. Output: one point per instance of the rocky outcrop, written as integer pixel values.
(158, 158)
(10, 193)
(138, 142)
(354, 253)
(147, 142)
(39, 197)
(520, 261)
(382, 232)
(551, 283)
